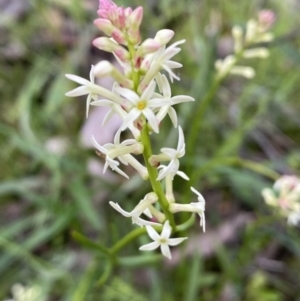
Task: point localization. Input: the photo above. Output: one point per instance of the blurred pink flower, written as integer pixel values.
(266, 18)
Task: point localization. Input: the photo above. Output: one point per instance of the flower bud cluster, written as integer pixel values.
(141, 97)
(285, 198)
(257, 31)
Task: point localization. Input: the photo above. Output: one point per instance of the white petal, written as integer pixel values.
(148, 92)
(175, 241)
(183, 175)
(166, 87)
(132, 116)
(162, 113)
(119, 171)
(169, 53)
(129, 142)
(82, 90)
(149, 247)
(180, 144)
(141, 222)
(164, 172)
(98, 146)
(88, 101)
(92, 74)
(78, 79)
(200, 197)
(166, 232)
(107, 116)
(173, 64)
(158, 102)
(165, 250)
(159, 82)
(152, 233)
(102, 103)
(181, 98)
(117, 207)
(151, 119)
(173, 116)
(128, 94)
(170, 72)
(170, 152)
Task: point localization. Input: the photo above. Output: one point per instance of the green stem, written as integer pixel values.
(106, 273)
(152, 171)
(127, 239)
(187, 224)
(89, 243)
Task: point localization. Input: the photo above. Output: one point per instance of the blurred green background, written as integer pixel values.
(50, 182)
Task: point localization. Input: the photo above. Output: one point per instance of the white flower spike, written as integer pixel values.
(163, 240)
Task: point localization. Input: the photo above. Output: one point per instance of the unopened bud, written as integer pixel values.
(251, 31)
(109, 29)
(148, 46)
(134, 36)
(256, 53)
(103, 68)
(108, 45)
(104, 25)
(136, 18)
(266, 18)
(237, 33)
(164, 36)
(247, 72)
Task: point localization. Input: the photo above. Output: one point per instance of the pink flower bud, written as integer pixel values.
(104, 25)
(104, 7)
(266, 18)
(127, 12)
(148, 46)
(108, 45)
(119, 37)
(136, 17)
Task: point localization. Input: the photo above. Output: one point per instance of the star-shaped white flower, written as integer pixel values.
(162, 240)
(165, 89)
(173, 155)
(154, 62)
(84, 89)
(200, 207)
(164, 55)
(142, 105)
(142, 207)
(91, 89)
(118, 149)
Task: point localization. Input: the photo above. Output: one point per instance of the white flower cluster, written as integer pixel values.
(285, 198)
(23, 293)
(257, 31)
(141, 97)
